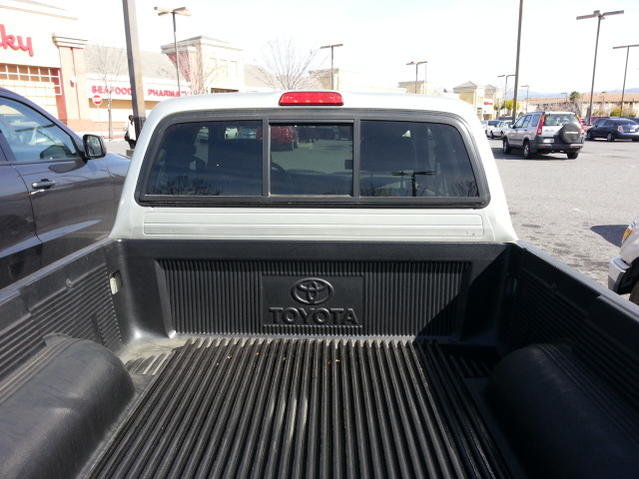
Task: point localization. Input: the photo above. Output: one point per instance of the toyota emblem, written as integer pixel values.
(312, 291)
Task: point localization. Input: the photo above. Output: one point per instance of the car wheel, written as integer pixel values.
(572, 155)
(589, 136)
(505, 147)
(609, 137)
(527, 152)
(634, 294)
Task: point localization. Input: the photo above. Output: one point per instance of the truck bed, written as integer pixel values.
(266, 407)
(160, 359)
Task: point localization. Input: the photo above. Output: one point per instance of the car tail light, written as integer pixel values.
(301, 98)
(620, 129)
(541, 124)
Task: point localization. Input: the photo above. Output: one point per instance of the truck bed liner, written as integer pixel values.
(265, 407)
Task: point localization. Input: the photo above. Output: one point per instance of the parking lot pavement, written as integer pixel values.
(574, 209)
(117, 146)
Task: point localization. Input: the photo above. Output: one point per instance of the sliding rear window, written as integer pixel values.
(311, 159)
(414, 159)
(353, 161)
(217, 158)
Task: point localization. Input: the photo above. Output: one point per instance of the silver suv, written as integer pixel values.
(545, 132)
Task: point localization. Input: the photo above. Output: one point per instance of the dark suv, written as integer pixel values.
(58, 192)
(545, 132)
(615, 129)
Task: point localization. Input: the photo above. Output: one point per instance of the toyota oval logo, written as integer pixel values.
(312, 291)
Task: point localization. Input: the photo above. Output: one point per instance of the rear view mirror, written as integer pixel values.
(93, 146)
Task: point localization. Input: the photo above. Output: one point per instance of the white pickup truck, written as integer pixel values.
(315, 284)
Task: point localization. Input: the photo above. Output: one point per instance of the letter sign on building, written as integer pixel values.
(15, 42)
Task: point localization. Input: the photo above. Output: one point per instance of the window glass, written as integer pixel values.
(31, 136)
(400, 159)
(518, 123)
(311, 159)
(493, 122)
(526, 122)
(534, 119)
(560, 119)
(209, 158)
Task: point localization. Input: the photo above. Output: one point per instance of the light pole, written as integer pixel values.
(527, 87)
(599, 16)
(332, 47)
(134, 63)
(623, 88)
(521, 8)
(175, 11)
(417, 63)
(505, 77)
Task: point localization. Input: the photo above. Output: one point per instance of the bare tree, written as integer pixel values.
(284, 66)
(197, 73)
(108, 63)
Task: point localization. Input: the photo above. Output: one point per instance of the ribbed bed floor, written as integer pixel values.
(306, 408)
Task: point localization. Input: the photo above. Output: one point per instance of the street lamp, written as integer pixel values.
(599, 16)
(527, 87)
(332, 47)
(623, 89)
(175, 11)
(417, 63)
(505, 77)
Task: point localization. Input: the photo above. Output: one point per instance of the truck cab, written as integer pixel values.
(350, 303)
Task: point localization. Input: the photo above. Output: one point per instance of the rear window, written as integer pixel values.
(311, 159)
(493, 122)
(559, 119)
(414, 159)
(209, 159)
(355, 162)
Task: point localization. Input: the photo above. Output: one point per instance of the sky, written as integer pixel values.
(462, 40)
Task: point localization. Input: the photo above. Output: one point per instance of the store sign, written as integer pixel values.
(124, 92)
(15, 42)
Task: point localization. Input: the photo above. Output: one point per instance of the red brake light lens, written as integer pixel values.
(540, 127)
(301, 98)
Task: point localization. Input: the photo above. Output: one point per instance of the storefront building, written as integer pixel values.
(42, 58)
(482, 97)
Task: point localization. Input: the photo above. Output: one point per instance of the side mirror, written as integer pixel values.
(93, 146)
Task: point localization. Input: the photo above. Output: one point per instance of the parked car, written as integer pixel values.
(498, 128)
(623, 270)
(594, 121)
(379, 319)
(615, 129)
(545, 132)
(284, 137)
(58, 192)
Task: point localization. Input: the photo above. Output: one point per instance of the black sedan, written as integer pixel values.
(615, 129)
(58, 192)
